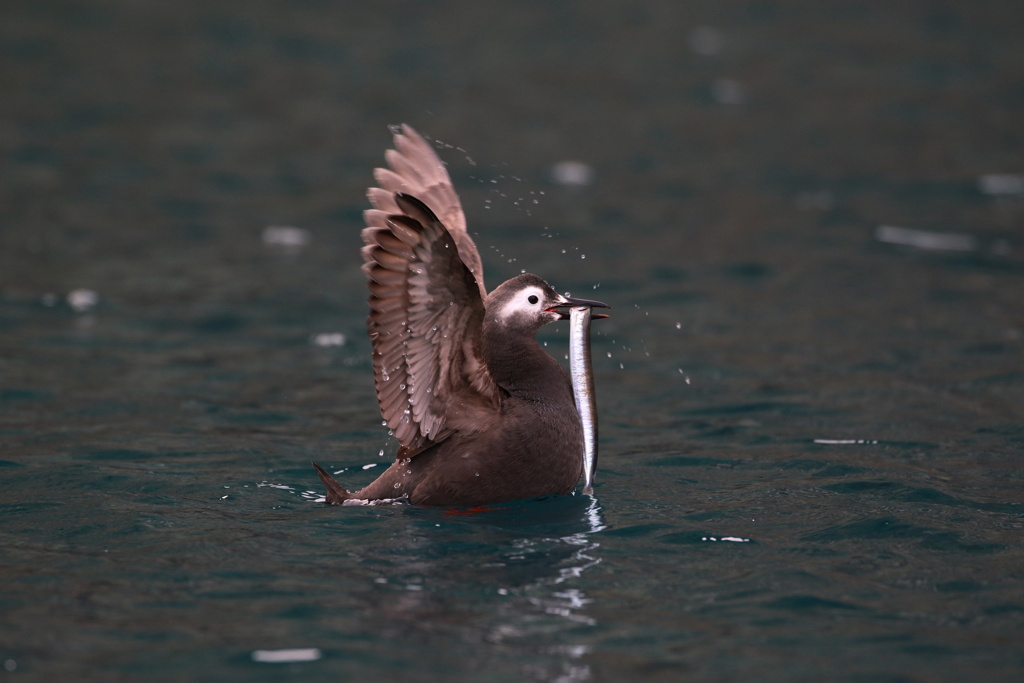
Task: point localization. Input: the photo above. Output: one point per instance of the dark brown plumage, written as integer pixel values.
(481, 413)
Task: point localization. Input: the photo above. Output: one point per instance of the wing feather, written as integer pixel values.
(415, 169)
(426, 299)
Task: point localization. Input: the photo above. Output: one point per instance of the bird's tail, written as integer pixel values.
(336, 493)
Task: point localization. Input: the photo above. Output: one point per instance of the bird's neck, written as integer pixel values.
(520, 366)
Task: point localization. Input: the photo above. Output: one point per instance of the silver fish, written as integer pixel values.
(582, 373)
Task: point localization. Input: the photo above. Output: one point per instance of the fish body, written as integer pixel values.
(581, 371)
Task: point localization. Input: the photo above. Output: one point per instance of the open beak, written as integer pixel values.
(562, 308)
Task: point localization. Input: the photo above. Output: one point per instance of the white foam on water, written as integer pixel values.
(841, 442)
(285, 236)
(923, 239)
(81, 300)
(575, 173)
(267, 484)
(326, 339)
(1001, 183)
(305, 654)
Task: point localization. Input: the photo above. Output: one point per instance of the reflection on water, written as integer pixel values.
(556, 594)
(523, 560)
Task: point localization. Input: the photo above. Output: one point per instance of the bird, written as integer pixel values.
(481, 412)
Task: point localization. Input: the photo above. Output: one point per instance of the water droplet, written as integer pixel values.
(398, 485)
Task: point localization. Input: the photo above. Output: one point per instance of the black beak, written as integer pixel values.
(576, 303)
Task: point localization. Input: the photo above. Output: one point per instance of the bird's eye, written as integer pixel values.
(532, 298)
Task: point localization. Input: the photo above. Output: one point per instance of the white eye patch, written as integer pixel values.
(527, 301)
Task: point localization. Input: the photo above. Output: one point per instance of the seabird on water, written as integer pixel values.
(481, 413)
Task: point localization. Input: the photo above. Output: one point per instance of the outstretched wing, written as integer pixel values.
(426, 312)
(415, 169)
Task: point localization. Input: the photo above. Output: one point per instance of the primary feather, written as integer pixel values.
(426, 299)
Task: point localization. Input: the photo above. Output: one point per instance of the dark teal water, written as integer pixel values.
(811, 425)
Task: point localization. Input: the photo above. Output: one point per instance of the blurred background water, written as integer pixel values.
(808, 219)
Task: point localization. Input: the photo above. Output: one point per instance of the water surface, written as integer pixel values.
(810, 430)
